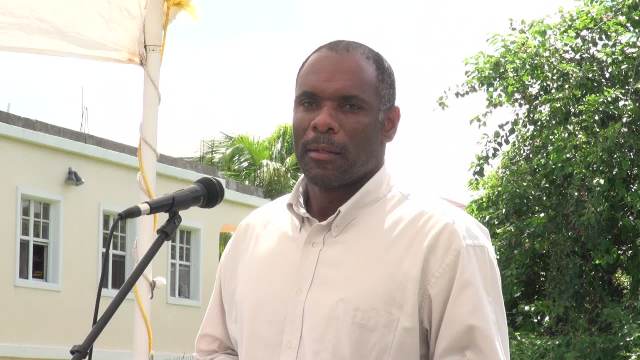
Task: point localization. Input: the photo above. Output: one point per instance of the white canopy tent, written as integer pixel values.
(126, 31)
(97, 29)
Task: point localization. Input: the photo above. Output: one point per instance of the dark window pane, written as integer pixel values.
(105, 222)
(24, 259)
(181, 249)
(45, 211)
(105, 279)
(117, 268)
(36, 229)
(173, 251)
(123, 243)
(184, 281)
(188, 238)
(37, 209)
(25, 207)
(114, 242)
(122, 227)
(105, 236)
(187, 254)
(172, 282)
(182, 235)
(45, 230)
(39, 266)
(25, 227)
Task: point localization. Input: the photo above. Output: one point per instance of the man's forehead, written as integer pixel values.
(337, 68)
(352, 58)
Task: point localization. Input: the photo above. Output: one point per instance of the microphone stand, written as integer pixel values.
(165, 233)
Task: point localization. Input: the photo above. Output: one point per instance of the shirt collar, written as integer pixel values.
(295, 203)
(375, 189)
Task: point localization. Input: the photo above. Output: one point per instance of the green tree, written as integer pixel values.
(560, 191)
(269, 163)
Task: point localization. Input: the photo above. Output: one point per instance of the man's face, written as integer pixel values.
(338, 136)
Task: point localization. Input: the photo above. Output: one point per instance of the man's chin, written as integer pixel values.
(325, 179)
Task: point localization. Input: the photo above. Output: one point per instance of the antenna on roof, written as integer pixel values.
(84, 123)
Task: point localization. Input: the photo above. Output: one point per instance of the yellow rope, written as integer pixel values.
(150, 194)
(145, 182)
(145, 317)
(171, 8)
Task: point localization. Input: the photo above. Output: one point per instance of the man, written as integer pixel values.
(347, 266)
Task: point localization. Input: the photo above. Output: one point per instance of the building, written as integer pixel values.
(52, 243)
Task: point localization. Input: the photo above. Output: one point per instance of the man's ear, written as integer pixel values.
(390, 123)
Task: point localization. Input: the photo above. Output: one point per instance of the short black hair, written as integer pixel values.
(386, 81)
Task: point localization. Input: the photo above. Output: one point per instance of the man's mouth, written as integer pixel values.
(322, 152)
(323, 148)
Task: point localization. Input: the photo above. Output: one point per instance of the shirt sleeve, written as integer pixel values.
(465, 310)
(213, 341)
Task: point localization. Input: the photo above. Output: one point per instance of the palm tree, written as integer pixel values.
(269, 164)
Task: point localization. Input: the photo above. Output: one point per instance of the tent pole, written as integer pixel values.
(148, 152)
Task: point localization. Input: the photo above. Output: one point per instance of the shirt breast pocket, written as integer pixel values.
(363, 333)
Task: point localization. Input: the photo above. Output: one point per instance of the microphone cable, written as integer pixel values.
(103, 271)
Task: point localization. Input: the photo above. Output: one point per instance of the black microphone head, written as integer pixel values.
(214, 191)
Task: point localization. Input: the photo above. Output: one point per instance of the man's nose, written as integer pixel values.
(325, 120)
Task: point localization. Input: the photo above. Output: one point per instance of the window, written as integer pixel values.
(38, 241)
(184, 269)
(34, 239)
(118, 261)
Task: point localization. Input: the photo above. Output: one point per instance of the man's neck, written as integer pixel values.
(321, 203)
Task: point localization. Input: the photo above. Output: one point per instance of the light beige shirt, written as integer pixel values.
(386, 277)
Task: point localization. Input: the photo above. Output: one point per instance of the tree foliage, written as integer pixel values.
(562, 201)
(269, 163)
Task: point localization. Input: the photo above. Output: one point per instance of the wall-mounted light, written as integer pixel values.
(73, 178)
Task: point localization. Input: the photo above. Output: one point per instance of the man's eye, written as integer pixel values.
(351, 107)
(307, 103)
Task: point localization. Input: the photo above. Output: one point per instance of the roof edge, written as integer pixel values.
(103, 143)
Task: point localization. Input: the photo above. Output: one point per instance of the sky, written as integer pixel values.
(233, 70)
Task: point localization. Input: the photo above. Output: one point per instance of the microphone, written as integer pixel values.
(206, 192)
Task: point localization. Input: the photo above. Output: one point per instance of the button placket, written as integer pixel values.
(308, 261)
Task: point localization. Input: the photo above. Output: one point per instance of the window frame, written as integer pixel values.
(130, 238)
(197, 234)
(54, 243)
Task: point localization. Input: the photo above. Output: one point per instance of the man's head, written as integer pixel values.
(385, 80)
(344, 114)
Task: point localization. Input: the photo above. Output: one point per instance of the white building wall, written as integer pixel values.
(48, 322)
